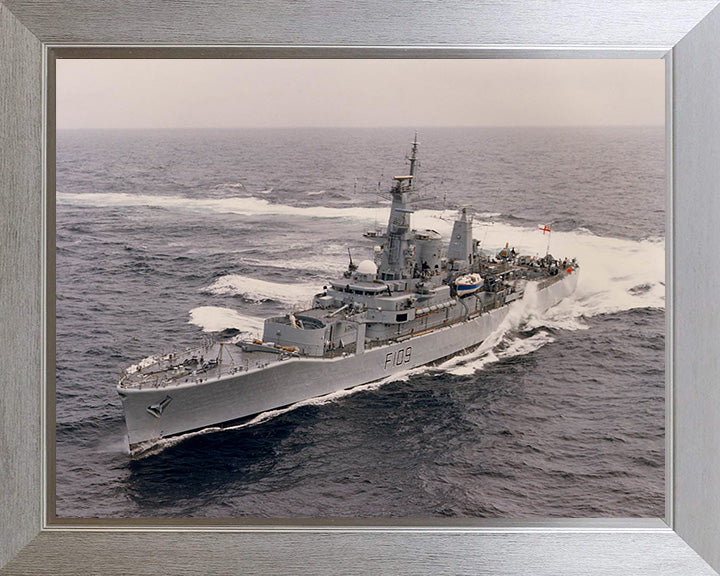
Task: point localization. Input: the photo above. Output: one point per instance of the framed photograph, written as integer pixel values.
(110, 239)
(346, 344)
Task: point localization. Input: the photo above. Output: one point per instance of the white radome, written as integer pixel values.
(367, 267)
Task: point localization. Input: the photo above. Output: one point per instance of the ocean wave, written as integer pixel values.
(256, 290)
(611, 268)
(331, 263)
(216, 319)
(241, 205)
(500, 347)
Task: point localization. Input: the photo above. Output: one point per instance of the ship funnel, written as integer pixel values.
(460, 250)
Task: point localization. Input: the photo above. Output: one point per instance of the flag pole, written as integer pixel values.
(546, 228)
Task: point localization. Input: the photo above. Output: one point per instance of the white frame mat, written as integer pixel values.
(684, 32)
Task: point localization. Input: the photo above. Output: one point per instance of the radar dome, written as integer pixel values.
(367, 267)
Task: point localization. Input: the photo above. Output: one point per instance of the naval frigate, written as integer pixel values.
(416, 302)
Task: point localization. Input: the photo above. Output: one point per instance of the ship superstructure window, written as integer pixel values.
(402, 317)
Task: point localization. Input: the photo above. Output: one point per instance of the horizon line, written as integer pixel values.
(409, 127)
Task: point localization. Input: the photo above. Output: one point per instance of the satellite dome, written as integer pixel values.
(367, 267)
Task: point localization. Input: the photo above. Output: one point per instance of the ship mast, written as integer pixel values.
(413, 157)
(397, 260)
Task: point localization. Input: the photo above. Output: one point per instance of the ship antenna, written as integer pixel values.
(351, 266)
(413, 157)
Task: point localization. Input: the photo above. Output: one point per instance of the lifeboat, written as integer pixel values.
(468, 284)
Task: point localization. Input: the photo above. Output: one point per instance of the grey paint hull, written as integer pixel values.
(194, 406)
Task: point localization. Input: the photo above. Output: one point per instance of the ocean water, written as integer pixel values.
(163, 236)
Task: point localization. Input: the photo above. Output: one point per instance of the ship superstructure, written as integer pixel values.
(417, 301)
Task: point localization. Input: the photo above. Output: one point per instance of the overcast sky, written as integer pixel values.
(416, 93)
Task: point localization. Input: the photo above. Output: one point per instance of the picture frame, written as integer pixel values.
(685, 33)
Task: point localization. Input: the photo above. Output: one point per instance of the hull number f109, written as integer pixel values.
(398, 358)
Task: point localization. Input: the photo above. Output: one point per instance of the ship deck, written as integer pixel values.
(197, 365)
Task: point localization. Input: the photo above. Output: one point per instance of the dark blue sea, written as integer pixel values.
(165, 236)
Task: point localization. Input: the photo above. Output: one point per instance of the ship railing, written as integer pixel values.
(334, 353)
(550, 281)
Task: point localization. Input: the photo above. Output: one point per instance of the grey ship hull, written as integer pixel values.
(193, 406)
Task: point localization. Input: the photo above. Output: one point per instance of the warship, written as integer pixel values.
(416, 302)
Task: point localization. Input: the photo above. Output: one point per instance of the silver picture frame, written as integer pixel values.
(686, 33)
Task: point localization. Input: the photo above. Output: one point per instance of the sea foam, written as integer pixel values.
(241, 205)
(612, 269)
(257, 290)
(215, 319)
